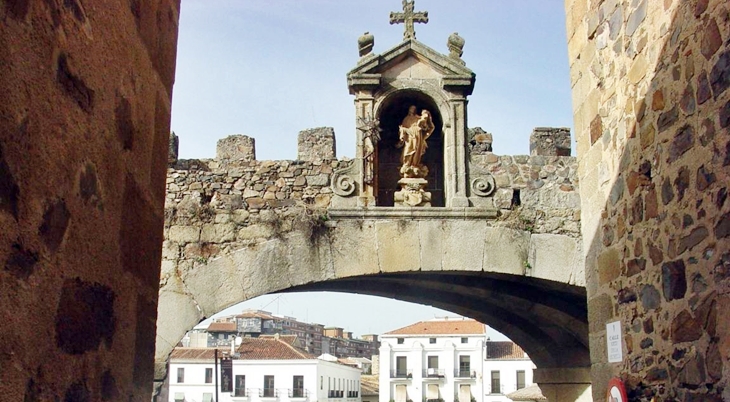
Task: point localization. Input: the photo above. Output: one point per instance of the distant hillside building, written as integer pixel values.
(314, 338)
(449, 360)
(264, 369)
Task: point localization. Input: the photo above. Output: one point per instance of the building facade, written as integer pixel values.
(265, 369)
(448, 360)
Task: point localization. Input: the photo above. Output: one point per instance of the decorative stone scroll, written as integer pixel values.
(483, 186)
(344, 183)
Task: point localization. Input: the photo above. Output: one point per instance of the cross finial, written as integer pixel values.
(408, 16)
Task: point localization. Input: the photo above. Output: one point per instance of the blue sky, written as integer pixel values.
(271, 68)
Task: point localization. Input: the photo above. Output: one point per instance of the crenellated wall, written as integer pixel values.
(652, 117)
(85, 97)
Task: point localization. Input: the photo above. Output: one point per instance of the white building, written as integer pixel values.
(445, 361)
(267, 369)
(506, 370)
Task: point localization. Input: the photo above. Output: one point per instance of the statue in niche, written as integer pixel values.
(413, 133)
(370, 137)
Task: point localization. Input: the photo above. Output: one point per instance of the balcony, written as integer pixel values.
(298, 393)
(434, 373)
(336, 394)
(268, 393)
(353, 394)
(400, 373)
(242, 393)
(465, 373)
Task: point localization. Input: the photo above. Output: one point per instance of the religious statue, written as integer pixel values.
(413, 133)
(370, 137)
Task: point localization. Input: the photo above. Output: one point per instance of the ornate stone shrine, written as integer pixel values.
(410, 104)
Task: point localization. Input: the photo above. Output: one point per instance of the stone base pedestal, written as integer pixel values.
(412, 193)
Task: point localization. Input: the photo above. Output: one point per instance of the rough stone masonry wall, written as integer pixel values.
(652, 115)
(84, 124)
(215, 206)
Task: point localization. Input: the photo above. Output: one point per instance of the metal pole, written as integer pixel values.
(216, 374)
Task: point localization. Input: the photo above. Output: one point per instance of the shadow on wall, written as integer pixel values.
(658, 260)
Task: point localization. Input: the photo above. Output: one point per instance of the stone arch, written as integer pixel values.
(390, 110)
(430, 263)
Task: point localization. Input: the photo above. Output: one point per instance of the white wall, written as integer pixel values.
(417, 349)
(333, 375)
(508, 377)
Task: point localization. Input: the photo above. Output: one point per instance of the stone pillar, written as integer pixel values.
(86, 93)
(316, 144)
(550, 141)
(564, 384)
(172, 151)
(455, 155)
(236, 147)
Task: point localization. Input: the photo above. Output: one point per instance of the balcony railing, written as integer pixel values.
(241, 392)
(353, 394)
(433, 373)
(336, 394)
(298, 393)
(268, 393)
(465, 373)
(401, 373)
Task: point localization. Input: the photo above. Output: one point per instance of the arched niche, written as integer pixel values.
(391, 113)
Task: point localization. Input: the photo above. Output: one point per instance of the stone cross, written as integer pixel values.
(408, 16)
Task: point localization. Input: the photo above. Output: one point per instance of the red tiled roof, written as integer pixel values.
(442, 327)
(271, 348)
(197, 353)
(265, 348)
(504, 350)
(254, 314)
(222, 327)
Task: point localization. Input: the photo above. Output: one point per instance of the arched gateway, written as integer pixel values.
(425, 212)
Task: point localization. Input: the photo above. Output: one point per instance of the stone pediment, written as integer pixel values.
(410, 59)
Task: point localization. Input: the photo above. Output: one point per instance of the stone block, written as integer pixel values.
(431, 233)
(354, 249)
(236, 147)
(556, 258)
(550, 141)
(316, 144)
(505, 250)
(398, 245)
(464, 245)
(218, 233)
(184, 234)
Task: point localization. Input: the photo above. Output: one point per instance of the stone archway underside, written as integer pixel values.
(526, 285)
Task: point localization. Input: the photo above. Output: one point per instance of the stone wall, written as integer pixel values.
(84, 125)
(539, 192)
(652, 116)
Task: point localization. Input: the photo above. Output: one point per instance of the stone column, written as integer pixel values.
(564, 384)
(364, 110)
(455, 155)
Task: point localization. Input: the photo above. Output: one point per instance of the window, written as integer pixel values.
(432, 392)
(401, 394)
(431, 340)
(464, 366)
(298, 387)
(179, 397)
(496, 386)
(464, 393)
(207, 397)
(180, 375)
(433, 362)
(321, 382)
(520, 379)
(240, 389)
(208, 375)
(464, 340)
(269, 386)
(401, 363)
(400, 341)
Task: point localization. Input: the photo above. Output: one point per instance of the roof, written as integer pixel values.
(369, 385)
(255, 314)
(222, 327)
(504, 350)
(442, 327)
(272, 348)
(196, 353)
(531, 393)
(264, 348)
